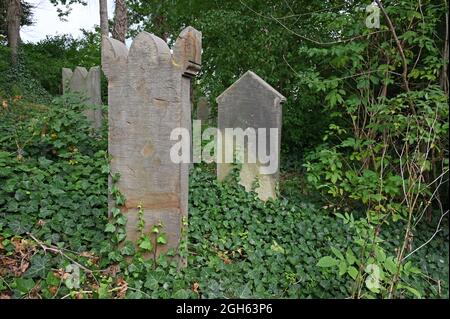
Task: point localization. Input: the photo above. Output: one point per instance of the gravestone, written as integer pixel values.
(203, 109)
(251, 103)
(87, 83)
(149, 96)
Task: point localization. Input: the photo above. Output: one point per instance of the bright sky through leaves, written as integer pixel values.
(47, 21)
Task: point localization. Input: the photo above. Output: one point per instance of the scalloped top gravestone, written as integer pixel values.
(251, 103)
(87, 83)
(149, 96)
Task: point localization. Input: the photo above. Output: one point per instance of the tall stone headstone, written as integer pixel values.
(149, 96)
(251, 104)
(203, 109)
(87, 83)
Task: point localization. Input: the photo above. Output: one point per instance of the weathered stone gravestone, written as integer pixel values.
(149, 97)
(253, 107)
(87, 83)
(203, 109)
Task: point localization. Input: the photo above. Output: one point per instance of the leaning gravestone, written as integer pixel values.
(251, 103)
(203, 109)
(87, 83)
(149, 96)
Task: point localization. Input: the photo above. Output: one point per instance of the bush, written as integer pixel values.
(45, 59)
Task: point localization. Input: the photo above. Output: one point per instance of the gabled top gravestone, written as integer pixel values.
(252, 103)
(87, 83)
(149, 96)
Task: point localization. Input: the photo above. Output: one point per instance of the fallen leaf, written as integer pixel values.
(123, 285)
(53, 289)
(195, 287)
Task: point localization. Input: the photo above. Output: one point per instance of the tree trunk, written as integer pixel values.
(104, 26)
(120, 21)
(444, 74)
(159, 23)
(13, 16)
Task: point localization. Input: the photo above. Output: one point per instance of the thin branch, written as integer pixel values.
(271, 17)
(307, 13)
(341, 78)
(429, 240)
(57, 250)
(399, 46)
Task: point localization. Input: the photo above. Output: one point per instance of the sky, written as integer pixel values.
(47, 21)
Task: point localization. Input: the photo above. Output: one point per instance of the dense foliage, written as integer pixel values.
(63, 52)
(27, 17)
(53, 203)
(367, 109)
(363, 205)
(43, 61)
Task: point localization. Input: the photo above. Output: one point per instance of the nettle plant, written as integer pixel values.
(369, 265)
(386, 150)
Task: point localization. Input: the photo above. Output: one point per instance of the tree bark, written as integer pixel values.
(104, 25)
(444, 73)
(159, 22)
(13, 15)
(120, 21)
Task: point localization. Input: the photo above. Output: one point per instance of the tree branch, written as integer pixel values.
(429, 240)
(399, 45)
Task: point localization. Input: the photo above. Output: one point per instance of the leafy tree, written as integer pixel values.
(242, 35)
(386, 151)
(26, 18)
(59, 52)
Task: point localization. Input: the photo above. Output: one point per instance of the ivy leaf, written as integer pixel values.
(52, 280)
(128, 249)
(162, 239)
(110, 228)
(24, 285)
(243, 292)
(106, 169)
(277, 248)
(39, 267)
(151, 282)
(146, 244)
(122, 220)
(19, 227)
(44, 162)
(155, 229)
(115, 211)
(181, 294)
(103, 292)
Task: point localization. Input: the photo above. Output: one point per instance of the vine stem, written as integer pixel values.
(59, 251)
